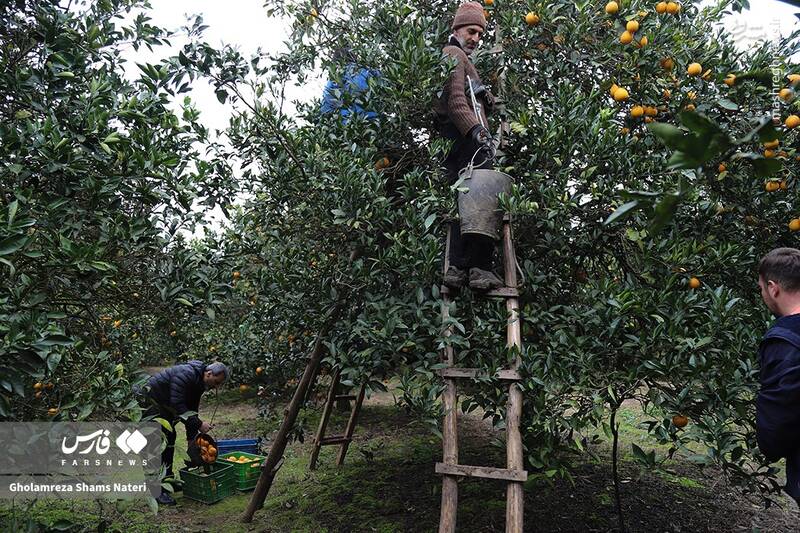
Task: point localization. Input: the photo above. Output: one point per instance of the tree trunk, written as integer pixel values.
(614, 471)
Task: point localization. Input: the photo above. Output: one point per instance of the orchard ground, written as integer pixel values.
(388, 484)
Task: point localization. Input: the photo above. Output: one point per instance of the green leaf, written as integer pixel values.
(766, 167)
(672, 136)
(429, 221)
(9, 245)
(184, 301)
(65, 74)
(727, 104)
(622, 211)
(12, 211)
(53, 360)
(22, 114)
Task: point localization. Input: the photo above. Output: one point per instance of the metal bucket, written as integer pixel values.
(478, 207)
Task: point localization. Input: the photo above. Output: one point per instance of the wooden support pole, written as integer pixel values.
(323, 421)
(447, 517)
(514, 457)
(268, 469)
(351, 426)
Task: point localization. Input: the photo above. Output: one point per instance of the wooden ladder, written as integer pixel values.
(343, 440)
(514, 472)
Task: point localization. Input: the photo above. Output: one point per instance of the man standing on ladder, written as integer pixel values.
(461, 116)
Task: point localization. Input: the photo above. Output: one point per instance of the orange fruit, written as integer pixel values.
(648, 120)
(661, 8)
(689, 107)
(651, 111)
(694, 283)
(38, 395)
(784, 185)
(613, 89)
(624, 131)
(667, 94)
(786, 94)
(612, 7)
(643, 41)
(259, 371)
(49, 386)
(37, 386)
(532, 19)
(794, 225)
(632, 26)
(769, 153)
(237, 274)
(52, 411)
(117, 323)
(772, 186)
(673, 8)
(679, 421)
(173, 333)
(488, 2)
(621, 94)
(667, 63)
(722, 167)
(243, 388)
(772, 144)
(792, 121)
(793, 78)
(694, 69)
(626, 37)
(637, 111)
(730, 80)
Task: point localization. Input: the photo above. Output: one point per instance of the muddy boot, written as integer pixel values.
(455, 277)
(484, 280)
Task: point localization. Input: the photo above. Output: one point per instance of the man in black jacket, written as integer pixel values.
(778, 400)
(173, 392)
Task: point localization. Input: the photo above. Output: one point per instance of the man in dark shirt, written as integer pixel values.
(778, 400)
(171, 393)
(465, 124)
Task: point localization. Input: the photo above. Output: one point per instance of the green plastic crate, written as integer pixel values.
(210, 488)
(246, 475)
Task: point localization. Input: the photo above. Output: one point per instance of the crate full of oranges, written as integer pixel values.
(247, 467)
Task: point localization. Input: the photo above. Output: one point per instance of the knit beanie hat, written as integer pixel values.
(469, 13)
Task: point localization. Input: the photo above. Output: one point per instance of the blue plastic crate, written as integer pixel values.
(237, 445)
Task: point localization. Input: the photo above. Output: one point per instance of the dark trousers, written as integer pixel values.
(470, 250)
(168, 455)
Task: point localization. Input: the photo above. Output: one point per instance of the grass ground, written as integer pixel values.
(388, 484)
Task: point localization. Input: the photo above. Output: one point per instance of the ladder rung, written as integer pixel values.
(502, 292)
(486, 472)
(344, 397)
(506, 375)
(506, 218)
(336, 439)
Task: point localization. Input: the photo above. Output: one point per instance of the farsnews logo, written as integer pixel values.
(131, 442)
(100, 443)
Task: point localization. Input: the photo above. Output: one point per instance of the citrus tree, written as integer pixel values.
(97, 186)
(640, 211)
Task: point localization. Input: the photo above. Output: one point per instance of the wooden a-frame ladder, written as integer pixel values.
(343, 440)
(514, 472)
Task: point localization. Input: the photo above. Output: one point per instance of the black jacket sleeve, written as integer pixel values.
(181, 397)
(778, 400)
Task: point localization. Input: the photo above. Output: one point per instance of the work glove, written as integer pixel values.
(482, 136)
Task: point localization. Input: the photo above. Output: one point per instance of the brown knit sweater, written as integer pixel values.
(455, 106)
